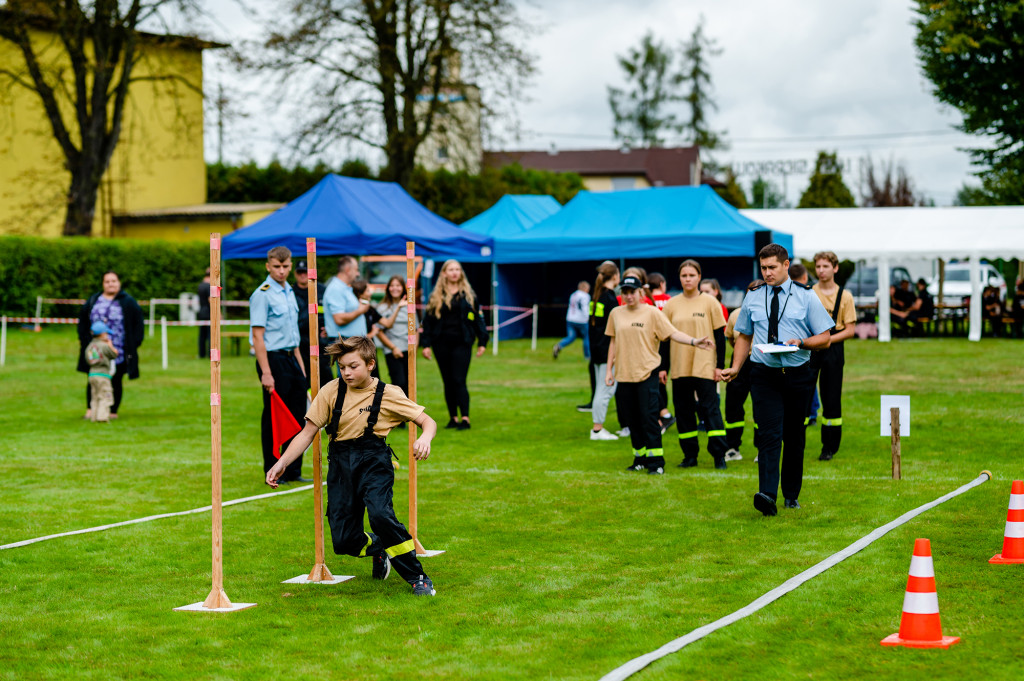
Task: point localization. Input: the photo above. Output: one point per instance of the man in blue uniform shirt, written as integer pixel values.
(274, 335)
(779, 313)
(344, 313)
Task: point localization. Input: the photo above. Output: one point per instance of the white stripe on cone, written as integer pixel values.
(921, 566)
(921, 603)
(1014, 530)
(1017, 502)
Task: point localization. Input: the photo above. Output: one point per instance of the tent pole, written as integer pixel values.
(974, 334)
(884, 318)
(494, 306)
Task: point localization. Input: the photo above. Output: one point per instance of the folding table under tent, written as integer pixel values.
(888, 235)
(357, 217)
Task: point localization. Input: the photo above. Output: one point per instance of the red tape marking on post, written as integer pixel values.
(412, 339)
(312, 273)
(214, 243)
(214, 399)
(214, 355)
(410, 253)
(312, 308)
(409, 283)
(314, 350)
(310, 247)
(215, 291)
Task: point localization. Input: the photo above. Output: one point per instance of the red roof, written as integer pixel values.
(662, 167)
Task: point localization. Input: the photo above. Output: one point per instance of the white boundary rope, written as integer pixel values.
(204, 509)
(636, 664)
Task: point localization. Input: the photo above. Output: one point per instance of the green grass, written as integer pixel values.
(559, 564)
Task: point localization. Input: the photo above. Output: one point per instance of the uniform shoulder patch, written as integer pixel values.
(806, 286)
(755, 285)
(265, 287)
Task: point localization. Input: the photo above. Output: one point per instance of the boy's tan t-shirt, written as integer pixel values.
(698, 316)
(395, 408)
(730, 326)
(847, 310)
(637, 334)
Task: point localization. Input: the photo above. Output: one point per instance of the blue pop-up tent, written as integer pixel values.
(358, 217)
(513, 214)
(664, 221)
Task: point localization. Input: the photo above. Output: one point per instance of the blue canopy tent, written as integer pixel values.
(512, 214)
(652, 228)
(358, 217)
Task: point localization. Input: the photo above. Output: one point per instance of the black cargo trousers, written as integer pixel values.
(360, 478)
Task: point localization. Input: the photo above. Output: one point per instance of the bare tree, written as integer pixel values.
(878, 191)
(84, 88)
(359, 68)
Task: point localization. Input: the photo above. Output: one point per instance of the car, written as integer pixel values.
(957, 283)
(863, 283)
(378, 270)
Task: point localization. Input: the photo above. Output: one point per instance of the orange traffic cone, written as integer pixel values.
(920, 626)
(1013, 537)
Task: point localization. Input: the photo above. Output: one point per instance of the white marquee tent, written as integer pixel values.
(884, 235)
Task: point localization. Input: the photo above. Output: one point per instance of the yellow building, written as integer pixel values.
(158, 162)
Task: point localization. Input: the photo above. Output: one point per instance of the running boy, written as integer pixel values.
(98, 354)
(360, 476)
(636, 329)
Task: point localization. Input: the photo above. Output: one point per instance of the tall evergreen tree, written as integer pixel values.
(641, 114)
(697, 78)
(826, 188)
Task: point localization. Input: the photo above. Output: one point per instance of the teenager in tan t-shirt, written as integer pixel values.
(827, 364)
(698, 314)
(636, 331)
(360, 477)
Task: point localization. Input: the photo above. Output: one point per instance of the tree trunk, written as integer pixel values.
(85, 184)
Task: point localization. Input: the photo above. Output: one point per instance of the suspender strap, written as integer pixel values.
(339, 402)
(371, 419)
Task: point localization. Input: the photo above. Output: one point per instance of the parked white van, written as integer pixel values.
(958, 281)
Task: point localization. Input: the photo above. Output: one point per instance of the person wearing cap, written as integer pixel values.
(99, 354)
(776, 317)
(301, 291)
(274, 335)
(636, 330)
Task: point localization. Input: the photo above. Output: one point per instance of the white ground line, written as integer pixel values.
(204, 509)
(636, 664)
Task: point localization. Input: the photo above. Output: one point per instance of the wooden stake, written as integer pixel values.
(894, 416)
(410, 300)
(217, 597)
(319, 573)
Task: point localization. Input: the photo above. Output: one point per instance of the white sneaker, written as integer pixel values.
(602, 434)
(755, 459)
(733, 455)
(624, 432)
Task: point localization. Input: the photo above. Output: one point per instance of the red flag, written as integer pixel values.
(284, 424)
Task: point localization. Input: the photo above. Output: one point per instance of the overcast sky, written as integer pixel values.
(794, 76)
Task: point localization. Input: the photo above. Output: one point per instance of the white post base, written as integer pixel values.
(304, 579)
(198, 607)
(428, 553)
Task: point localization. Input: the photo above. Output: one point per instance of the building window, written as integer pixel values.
(442, 153)
(620, 183)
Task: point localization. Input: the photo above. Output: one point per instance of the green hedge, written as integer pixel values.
(74, 267)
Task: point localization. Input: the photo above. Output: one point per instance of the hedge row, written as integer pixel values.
(74, 267)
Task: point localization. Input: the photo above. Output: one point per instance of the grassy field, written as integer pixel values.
(559, 564)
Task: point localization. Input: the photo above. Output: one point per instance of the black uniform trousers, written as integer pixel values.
(116, 383)
(453, 361)
(828, 368)
(204, 341)
(687, 410)
(360, 479)
(640, 410)
(736, 392)
(780, 398)
(290, 385)
(398, 371)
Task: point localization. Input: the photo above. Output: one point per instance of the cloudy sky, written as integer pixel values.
(794, 76)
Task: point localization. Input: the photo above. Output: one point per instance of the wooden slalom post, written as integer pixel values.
(218, 600)
(320, 574)
(897, 468)
(410, 299)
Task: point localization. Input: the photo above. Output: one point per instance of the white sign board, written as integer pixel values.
(901, 402)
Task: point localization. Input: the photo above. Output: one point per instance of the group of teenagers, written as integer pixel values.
(787, 337)
(358, 409)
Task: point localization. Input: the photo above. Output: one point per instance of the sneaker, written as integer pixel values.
(381, 566)
(666, 423)
(720, 463)
(585, 407)
(635, 467)
(656, 471)
(452, 424)
(733, 455)
(624, 432)
(555, 350)
(602, 434)
(826, 456)
(423, 587)
(755, 458)
(688, 463)
(463, 425)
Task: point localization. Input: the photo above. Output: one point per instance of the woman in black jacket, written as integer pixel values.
(122, 314)
(451, 323)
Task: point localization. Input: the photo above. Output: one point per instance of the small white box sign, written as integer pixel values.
(901, 402)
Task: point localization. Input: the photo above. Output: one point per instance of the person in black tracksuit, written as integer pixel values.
(451, 323)
(359, 411)
(301, 291)
(203, 315)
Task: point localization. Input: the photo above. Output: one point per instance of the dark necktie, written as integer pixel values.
(773, 319)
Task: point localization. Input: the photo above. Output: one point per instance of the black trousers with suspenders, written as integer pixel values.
(736, 393)
(640, 413)
(360, 478)
(687, 410)
(828, 370)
